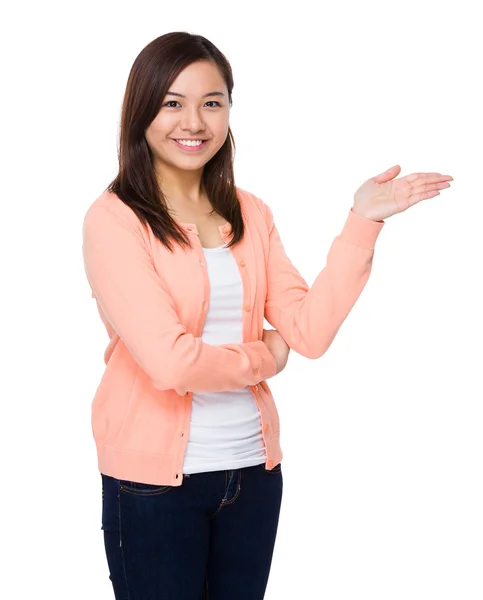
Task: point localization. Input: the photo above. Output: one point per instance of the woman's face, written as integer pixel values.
(196, 107)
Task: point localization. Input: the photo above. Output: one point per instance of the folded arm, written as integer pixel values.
(137, 304)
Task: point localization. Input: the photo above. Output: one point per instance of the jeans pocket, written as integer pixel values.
(277, 469)
(143, 489)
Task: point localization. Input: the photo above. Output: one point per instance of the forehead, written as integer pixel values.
(199, 78)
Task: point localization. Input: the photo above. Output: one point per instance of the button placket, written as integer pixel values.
(244, 277)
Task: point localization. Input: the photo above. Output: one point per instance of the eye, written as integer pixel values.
(171, 102)
(212, 102)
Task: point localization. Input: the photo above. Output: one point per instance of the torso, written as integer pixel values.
(207, 225)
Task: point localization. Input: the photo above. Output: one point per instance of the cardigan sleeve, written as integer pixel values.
(309, 318)
(140, 309)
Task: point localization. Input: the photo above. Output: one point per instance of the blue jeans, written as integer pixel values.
(211, 538)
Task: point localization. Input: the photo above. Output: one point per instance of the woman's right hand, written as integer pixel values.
(277, 347)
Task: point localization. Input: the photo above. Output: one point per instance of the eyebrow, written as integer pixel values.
(205, 96)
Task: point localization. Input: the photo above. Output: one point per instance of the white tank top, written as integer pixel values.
(225, 428)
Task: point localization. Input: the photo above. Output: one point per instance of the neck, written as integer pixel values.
(181, 186)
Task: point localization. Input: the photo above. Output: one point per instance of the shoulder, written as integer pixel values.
(109, 208)
(253, 204)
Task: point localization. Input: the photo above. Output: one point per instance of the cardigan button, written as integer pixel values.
(248, 308)
(266, 427)
(270, 464)
(242, 264)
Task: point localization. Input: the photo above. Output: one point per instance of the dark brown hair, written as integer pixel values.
(150, 78)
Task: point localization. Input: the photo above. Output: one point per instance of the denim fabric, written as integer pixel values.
(212, 538)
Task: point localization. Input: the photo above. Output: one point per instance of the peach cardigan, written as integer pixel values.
(153, 305)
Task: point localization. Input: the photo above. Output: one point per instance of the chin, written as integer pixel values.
(190, 165)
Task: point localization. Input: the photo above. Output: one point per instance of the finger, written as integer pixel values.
(419, 178)
(413, 176)
(387, 175)
(428, 187)
(414, 199)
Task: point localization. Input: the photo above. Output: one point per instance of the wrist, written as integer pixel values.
(365, 215)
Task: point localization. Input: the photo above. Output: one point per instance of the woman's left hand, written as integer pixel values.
(379, 197)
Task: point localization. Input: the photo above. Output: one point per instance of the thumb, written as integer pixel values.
(388, 175)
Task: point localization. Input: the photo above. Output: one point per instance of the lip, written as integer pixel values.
(190, 148)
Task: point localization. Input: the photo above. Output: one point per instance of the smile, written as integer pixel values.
(190, 145)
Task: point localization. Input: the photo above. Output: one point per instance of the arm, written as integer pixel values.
(137, 305)
(309, 319)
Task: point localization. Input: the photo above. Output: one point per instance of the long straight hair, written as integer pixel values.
(136, 184)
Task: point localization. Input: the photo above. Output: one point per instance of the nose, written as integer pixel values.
(191, 120)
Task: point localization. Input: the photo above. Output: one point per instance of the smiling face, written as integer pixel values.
(193, 121)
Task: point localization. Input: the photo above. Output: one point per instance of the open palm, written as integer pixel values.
(383, 196)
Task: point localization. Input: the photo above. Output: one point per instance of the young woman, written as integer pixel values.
(184, 267)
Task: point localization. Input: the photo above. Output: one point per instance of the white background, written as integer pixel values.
(382, 436)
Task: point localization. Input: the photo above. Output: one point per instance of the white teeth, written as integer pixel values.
(190, 142)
